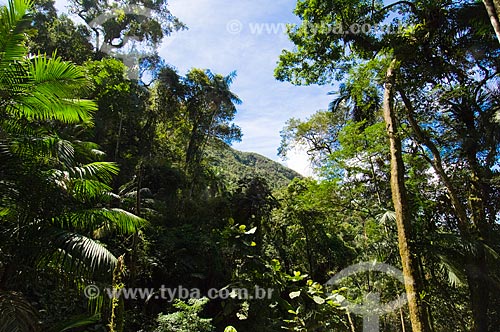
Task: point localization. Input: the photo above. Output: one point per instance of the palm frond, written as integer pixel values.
(88, 150)
(454, 270)
(101, 171)
(29, 147)
(16, 313)
(13, 20)
(78, 253)
(388, 217)
(75, 322)
(493, 257)
(15, 12)
(492, 252)
(13, 79)
(102, 219)
(87, 191)
(52, 85)
(452, 251)
(14, 127)
(122, 221)
(4, 211)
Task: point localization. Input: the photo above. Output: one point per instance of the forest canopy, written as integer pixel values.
(112, 183)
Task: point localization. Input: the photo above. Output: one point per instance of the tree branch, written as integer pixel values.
(437, 164)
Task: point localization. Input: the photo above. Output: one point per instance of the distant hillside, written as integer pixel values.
(235, 165)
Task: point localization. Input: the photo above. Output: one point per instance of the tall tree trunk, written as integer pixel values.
(117, 317)
(477, 271)
(413, 284)
(493, 12)
(476, 267)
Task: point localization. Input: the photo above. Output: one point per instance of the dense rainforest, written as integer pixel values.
(119, 186)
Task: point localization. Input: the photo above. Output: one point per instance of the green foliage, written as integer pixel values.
(113, 23)
(320, 51)
(53, 191)
(186, 319)
(318, 134)
(441, 56)
(204, 110)
(53, 33)
(76, 322)
(314, 307)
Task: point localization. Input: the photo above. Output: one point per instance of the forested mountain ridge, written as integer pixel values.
(236, 165)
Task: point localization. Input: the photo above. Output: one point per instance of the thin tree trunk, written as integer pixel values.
(493, 14)
(117, 147)
(476, 268)
(478, 288)
(138, 189)
(402, 317)
(135, 237)
(438, 166)
(410, 265)
(351, 323)
(308, 246)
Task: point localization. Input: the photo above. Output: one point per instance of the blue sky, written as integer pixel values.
(221, 36)
(212, 42)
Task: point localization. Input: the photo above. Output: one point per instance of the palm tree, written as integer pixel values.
(210, 107)
(55, 197)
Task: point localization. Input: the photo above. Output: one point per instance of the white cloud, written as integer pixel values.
(298, 160)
